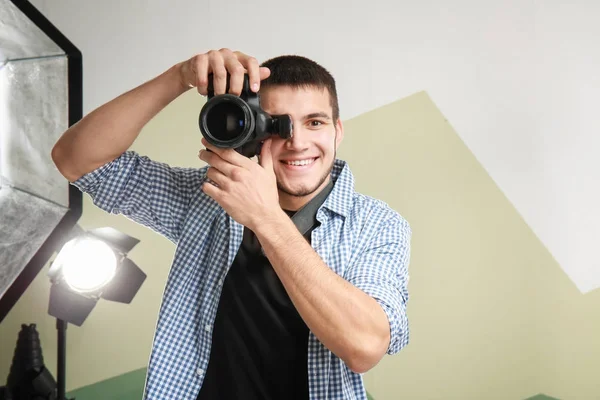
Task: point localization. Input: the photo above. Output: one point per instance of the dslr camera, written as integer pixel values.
(229, 121)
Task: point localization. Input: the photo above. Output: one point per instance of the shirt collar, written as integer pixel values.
(340, 199)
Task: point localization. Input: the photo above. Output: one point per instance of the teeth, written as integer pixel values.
(301, 162)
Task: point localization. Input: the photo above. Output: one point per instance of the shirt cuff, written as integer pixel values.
(394, 306)
(90, 181)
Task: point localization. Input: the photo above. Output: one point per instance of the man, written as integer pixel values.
(253, 307)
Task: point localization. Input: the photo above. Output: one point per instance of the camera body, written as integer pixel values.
(229, 121)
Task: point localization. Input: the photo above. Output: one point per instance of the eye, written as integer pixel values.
(315, 123)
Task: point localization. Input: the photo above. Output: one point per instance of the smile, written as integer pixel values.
(308, 161)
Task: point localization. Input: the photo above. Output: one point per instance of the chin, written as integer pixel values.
(297, 190)
(301, 189)
(301, 186)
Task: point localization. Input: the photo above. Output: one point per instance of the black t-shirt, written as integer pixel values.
(259, 348)
(260, 343)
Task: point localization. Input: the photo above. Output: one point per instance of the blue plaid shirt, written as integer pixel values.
(360, 238)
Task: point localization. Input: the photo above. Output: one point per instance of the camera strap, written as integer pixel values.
(306, 217)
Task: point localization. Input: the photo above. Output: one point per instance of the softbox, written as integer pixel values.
(40, 97)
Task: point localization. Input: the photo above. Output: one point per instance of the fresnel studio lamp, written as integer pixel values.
(90, 267)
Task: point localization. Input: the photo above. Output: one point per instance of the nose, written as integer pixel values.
(299, 139)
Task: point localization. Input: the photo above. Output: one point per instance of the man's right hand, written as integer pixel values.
(108, 131)
(195, 71)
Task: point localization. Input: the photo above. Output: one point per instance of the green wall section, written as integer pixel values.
(129, 386)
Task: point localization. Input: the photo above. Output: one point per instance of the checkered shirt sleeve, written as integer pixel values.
(381, 271)
(151, 193)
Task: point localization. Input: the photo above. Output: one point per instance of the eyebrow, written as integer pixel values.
(317, 115)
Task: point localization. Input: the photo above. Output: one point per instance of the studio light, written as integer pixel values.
(92, 266)
(87, 264)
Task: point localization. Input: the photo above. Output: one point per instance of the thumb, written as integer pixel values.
(266, 160)
(264, 73)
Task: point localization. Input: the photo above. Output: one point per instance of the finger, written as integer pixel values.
(200, 67)
(266, 158)
(212, 191)
(214, 160)
(236, 71)
(251, 65)
(230, 155)
(255, 73)
(218, 178)
(264, 73)
(217, 66)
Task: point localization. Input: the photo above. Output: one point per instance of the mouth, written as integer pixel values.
(299, 164)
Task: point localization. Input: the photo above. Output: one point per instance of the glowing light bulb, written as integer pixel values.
(88, 264)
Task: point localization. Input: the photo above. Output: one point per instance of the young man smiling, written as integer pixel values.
(253, 307)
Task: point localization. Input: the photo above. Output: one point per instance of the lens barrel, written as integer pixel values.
(227, 121)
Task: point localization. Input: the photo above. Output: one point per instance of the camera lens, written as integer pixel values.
(226, 121)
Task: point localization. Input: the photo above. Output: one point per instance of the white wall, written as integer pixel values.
(518, 80)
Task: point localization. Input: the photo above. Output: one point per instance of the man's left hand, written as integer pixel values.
(246, 190)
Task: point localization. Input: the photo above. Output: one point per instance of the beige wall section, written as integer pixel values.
(470, 311)
(568, 336)
(492, 315)
(116, 338)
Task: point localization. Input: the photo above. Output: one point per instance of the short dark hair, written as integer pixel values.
(301, 72)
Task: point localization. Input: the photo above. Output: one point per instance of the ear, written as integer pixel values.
(339, 127)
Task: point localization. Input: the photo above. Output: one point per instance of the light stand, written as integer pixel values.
(100, 254)
(61, 368)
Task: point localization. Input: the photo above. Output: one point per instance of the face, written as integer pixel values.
(303, 163)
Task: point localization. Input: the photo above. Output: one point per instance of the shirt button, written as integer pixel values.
(200, 371)
(207, 328)
(220, 282)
